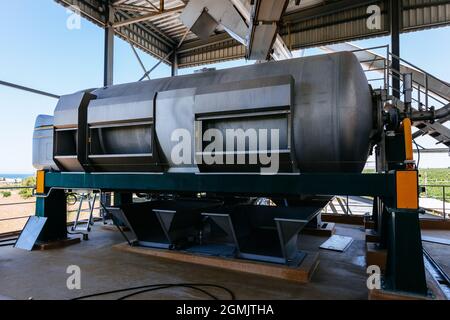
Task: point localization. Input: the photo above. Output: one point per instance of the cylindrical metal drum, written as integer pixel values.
(320, 105)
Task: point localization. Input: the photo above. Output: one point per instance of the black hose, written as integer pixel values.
(76, 233)
(418, 154)
(165, 287)
(157, 287)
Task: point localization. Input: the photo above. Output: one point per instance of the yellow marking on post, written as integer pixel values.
(407, 190)
(40, 182)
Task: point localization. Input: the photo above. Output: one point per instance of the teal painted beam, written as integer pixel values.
(324, 184)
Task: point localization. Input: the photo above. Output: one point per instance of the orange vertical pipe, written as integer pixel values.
(407, 131)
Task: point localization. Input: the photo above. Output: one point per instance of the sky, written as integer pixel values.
(39, 51)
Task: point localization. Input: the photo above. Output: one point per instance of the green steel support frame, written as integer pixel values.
(399, 229)
(121, 198)
(405, 269)
(262, 185)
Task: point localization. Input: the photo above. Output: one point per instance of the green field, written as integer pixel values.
(435, 176)
(434, 180)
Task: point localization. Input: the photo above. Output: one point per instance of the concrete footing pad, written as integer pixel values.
(390, 295)
(375, 256)
(56, 244)
(327, 229)
(301, 274)
(372, 236)
(434, 224)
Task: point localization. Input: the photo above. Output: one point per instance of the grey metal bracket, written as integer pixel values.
(287, 231)
(225, 223)
(166, 218)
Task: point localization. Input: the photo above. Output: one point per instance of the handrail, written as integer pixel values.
(349, 206)
(16, 187)
(421, 70)
(421, 89)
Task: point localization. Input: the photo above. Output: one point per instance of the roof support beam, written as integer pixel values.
(152, 5)
(147, 27)
(147, 17)
(201, 44)
(135, 8)
(139, 60)
(174, 60)
(23, 88)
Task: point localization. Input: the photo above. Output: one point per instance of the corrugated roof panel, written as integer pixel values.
(334, 27)
(422, 13)
(221, 51)
(144, 37)
(329, 22)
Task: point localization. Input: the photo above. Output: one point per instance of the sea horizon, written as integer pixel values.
(15, 175)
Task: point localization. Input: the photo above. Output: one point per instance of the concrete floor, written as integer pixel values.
(439, 252)
(42, 274)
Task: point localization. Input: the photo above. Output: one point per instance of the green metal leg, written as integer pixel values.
(383, 220)
(54, 207)
(122, 198)
(119, 199)
(405, 269)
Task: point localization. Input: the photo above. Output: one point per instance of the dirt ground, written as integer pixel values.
(14, 212)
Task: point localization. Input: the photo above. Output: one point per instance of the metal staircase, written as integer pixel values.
(429, 92)
(436, 130)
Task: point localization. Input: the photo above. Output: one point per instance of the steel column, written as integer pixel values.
(405, 269)
(395, 23)
(138, 59)
(121, 198)
(174, 60)
(109, 47)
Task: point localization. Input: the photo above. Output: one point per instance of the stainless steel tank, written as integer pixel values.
(43, 143)
(321, 106)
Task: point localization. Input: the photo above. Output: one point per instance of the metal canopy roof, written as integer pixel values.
(158, 30)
